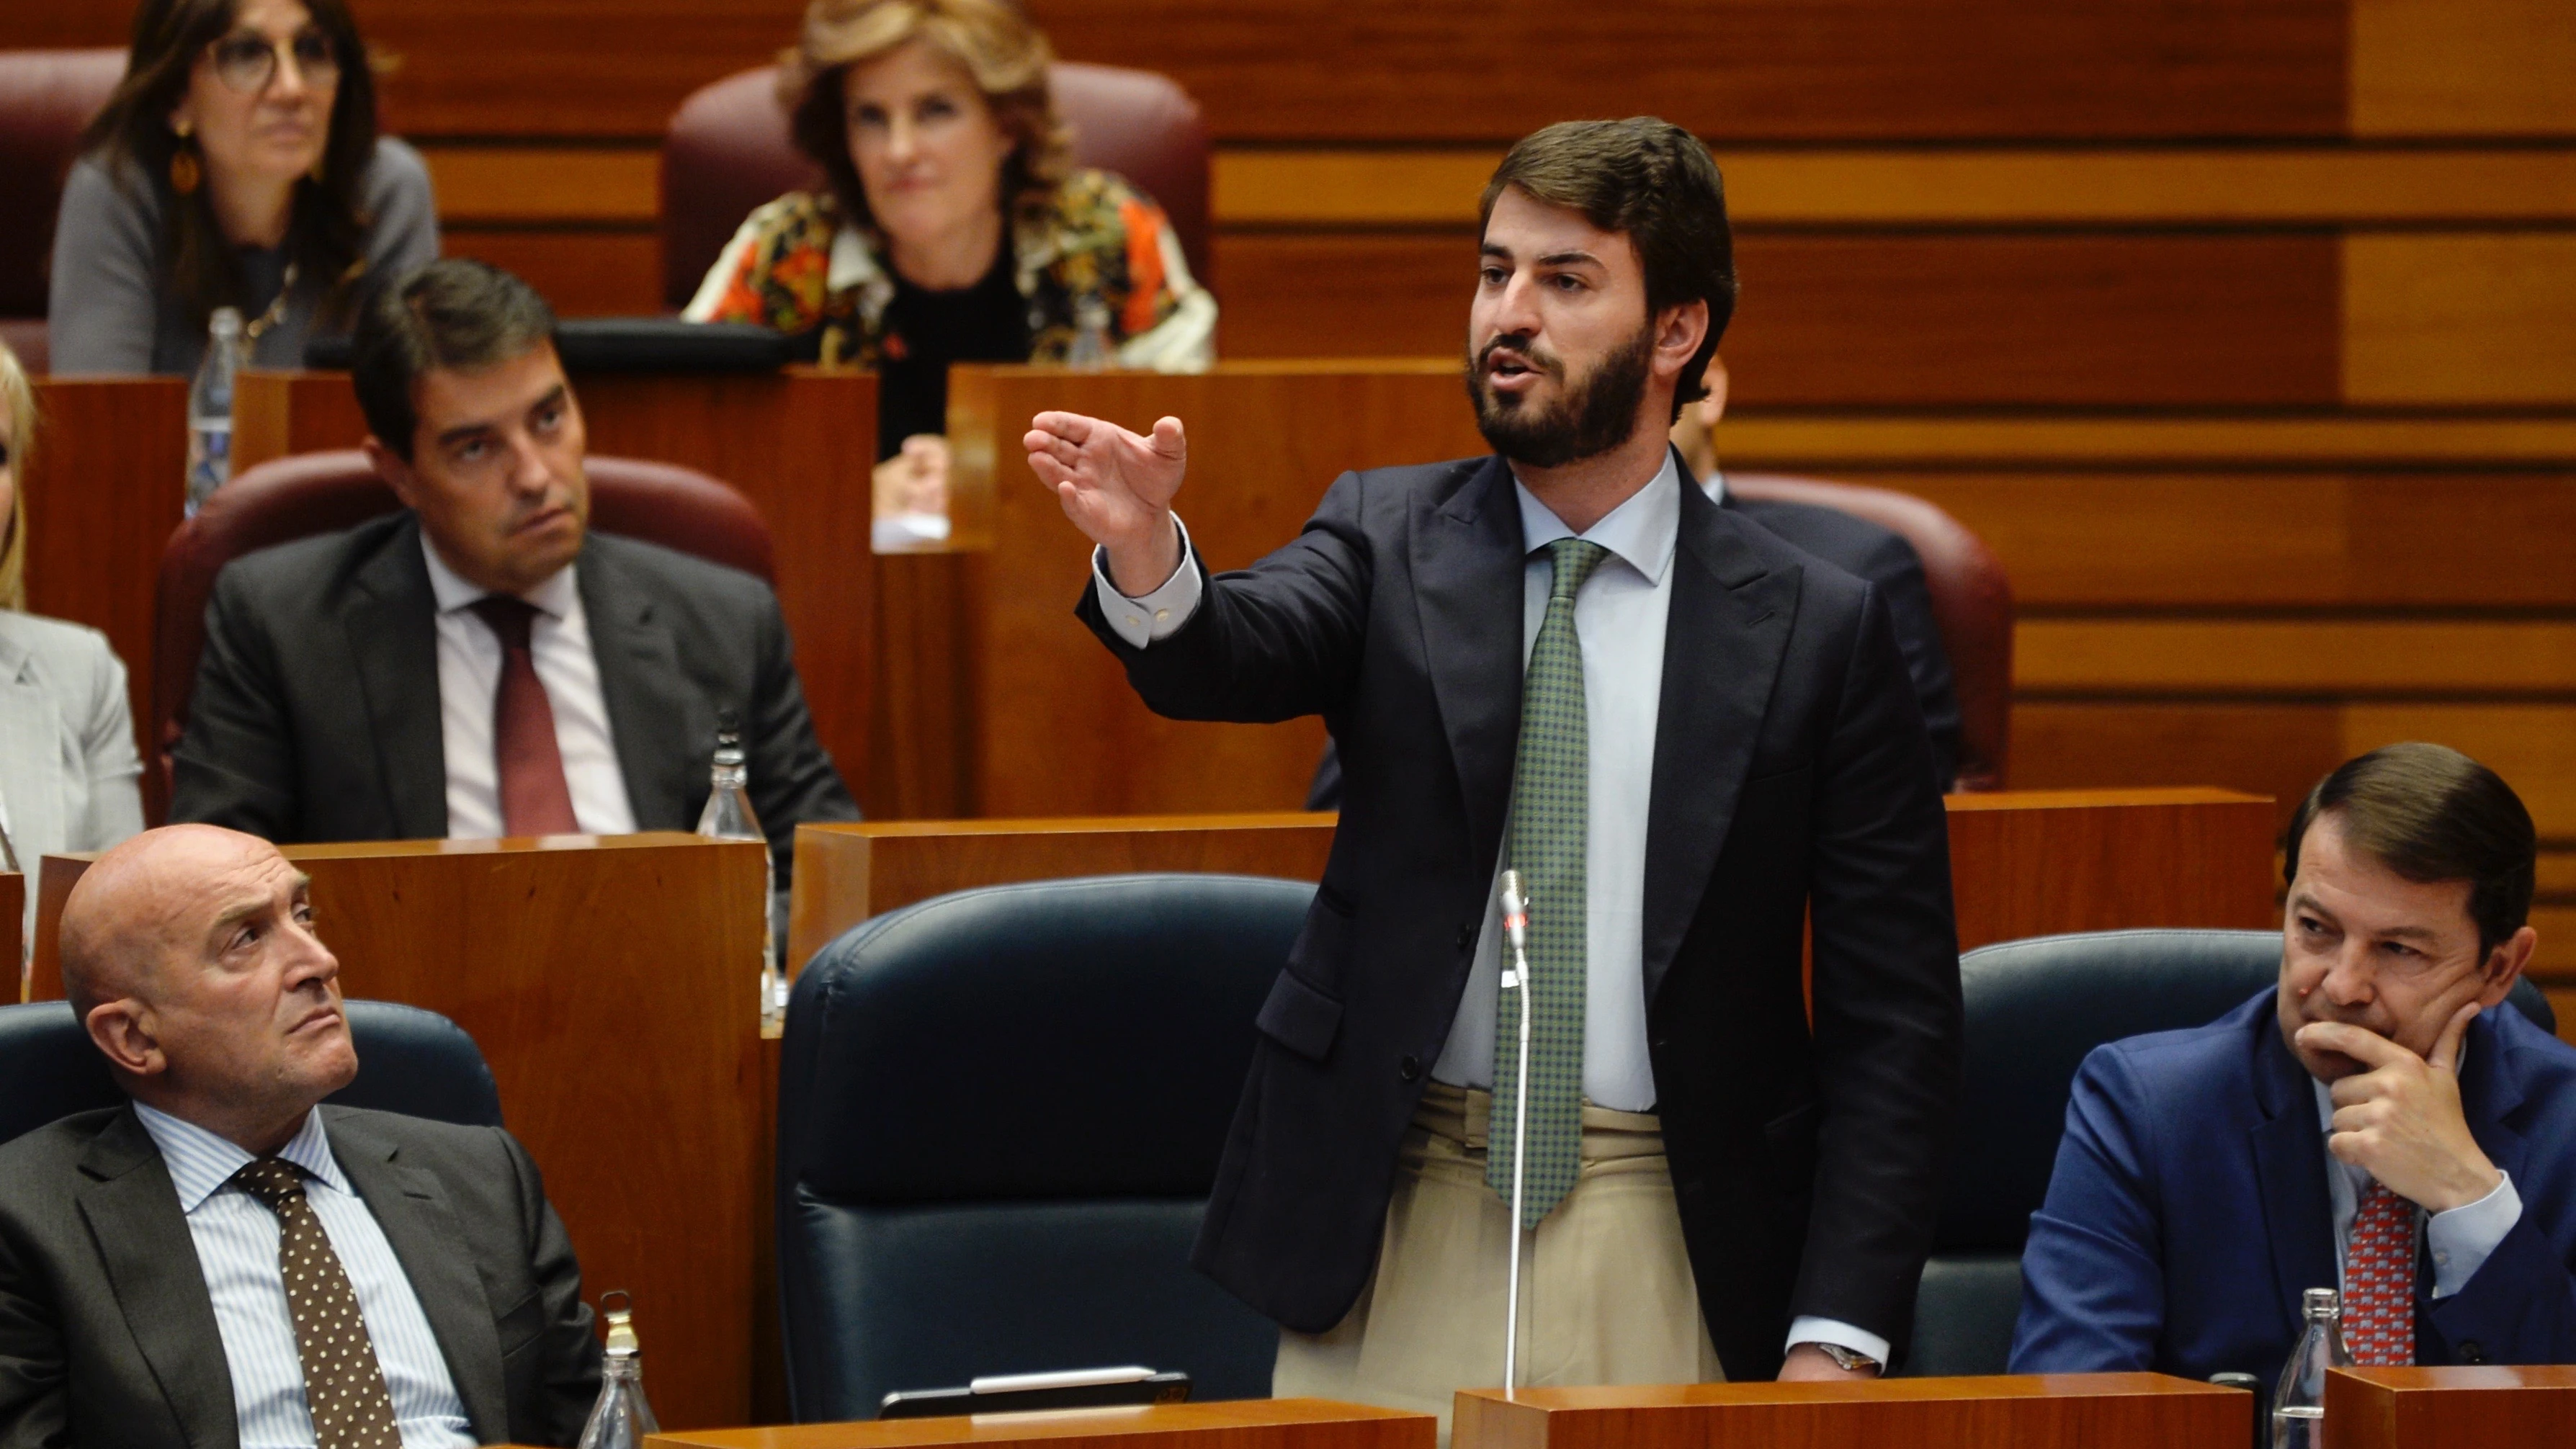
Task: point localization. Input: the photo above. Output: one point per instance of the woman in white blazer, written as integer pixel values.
(69, 774)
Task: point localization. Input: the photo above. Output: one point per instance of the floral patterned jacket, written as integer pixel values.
(1092, 244)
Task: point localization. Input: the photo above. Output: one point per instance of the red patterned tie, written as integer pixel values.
(534, 798)
(2379, 1281)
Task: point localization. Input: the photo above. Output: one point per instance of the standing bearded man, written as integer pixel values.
(1688, 737)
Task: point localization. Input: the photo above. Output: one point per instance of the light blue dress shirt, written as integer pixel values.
(1619, 621)
(237, 1237)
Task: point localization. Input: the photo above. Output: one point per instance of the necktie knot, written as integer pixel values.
(1570, 562)
(273, 1180)
(509, 618)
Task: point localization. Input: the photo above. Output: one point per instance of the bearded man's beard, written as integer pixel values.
(1598, 411)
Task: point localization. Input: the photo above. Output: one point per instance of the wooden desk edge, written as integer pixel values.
(1234, 1419)
(1690, 1397)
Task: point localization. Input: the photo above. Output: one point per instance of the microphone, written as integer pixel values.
(1516, 976)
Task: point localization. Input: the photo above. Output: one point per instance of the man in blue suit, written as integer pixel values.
(2374, 1123)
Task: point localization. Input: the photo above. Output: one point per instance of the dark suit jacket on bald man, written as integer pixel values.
(316, 712)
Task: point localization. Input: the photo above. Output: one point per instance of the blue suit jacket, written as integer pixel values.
(2189, 1209)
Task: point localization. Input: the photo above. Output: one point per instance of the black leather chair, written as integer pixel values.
(2034, 1009)
(999, 1114)
(410, 1061)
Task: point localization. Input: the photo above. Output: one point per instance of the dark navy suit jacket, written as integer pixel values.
(2189, 1207)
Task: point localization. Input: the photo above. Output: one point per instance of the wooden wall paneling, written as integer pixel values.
(103, 491)
(1265, 442)
(929, 612)
(582, 185)
(2030, 1411)
(2449, 1408)
(2129, 441)
(2274, 657)
(847, 873)
(626, 1058)
(1879, 320)
(584, 272)
(2461, 318)
(2035, 863)
(2462, 68)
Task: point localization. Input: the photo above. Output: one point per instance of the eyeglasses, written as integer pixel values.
(247, 61)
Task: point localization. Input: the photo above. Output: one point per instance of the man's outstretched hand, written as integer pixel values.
(1117, 487)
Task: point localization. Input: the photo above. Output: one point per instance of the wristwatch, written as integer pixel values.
(1850, 1360)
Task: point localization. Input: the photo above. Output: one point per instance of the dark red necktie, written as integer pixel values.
(534, 798)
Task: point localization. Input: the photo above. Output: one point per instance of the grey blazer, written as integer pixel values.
(68, 768)
(108, 1335)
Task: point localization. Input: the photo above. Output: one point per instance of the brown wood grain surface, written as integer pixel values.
(583, 269)
(1230, 1424)
(2054, 1411)
(2450, 1408)
(847, 873)
(13, 932)
(611, 984)
(2041, 863)
(800, 444)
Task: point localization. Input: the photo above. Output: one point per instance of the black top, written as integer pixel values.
(926, 330)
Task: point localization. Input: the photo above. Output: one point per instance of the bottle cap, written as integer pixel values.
(226, 320)
(621, 1323)
(2324, 1302)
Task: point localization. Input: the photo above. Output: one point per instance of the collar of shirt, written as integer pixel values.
(1640, 532)
(201, 1163)
(554, 598)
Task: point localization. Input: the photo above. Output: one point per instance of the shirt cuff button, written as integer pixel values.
(1162, 616)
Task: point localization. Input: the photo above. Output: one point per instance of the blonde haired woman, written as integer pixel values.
(68, 770)
(951, 227)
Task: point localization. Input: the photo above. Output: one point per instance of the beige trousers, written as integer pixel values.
(1606, 1289)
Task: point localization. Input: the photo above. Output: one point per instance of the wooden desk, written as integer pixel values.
(996, 698)
(801, 444)
(2056, 1411)
(2450, 1408)
(611, 985)
(1232, 1424)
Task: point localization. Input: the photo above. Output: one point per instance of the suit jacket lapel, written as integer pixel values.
(30, 757)
(1467, 568)
(2290, 1164)
(133, 1215)
(651, 716)
(392, 632)
(422, 1228)
(1725, 634)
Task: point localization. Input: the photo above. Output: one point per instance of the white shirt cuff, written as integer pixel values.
(1159, 614)
(2465, 1237)
(1810, 1329)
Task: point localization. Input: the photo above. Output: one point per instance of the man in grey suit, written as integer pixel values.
(481, 664)
(146, 1297)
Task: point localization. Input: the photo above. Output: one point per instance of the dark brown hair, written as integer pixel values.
(1653, 182)
(2430, 814)
(992, 40)
(325, 237)
(455, 312)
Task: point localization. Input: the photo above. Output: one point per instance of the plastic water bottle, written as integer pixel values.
(1090, 347)
(729, 816)
(621, 1418)
(210, 409)
(2299, 1407)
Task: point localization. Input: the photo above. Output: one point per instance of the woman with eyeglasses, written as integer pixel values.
(236, 165)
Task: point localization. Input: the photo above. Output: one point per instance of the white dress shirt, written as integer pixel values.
(237, 1236)
(469, 681)
(1619, 621)
(2462, 1239)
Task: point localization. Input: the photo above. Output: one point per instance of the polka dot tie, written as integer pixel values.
(1551, 820)
(2379, 1281)
(343, 1385)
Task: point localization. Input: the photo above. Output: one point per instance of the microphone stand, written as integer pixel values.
(1516, 976)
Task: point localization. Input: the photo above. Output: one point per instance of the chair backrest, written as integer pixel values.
(410, 1061)
(2035, 1008)
(1972, 604)
(999, 1117)
(46, 97)
(728, 150)
(309, 493)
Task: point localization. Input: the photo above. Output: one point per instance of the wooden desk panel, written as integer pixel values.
(2450, 1408)
(610, 984)
(1230, 1424)
(2040, 862)
(801, 444)
(2056, 1411)
(847, 873)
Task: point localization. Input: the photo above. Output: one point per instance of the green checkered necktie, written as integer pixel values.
(1551, 814)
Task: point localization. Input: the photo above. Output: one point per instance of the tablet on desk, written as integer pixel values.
(1020, 1393)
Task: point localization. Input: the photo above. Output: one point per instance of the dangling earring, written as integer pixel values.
(186, 172)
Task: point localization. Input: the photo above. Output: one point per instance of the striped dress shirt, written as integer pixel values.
(237, 1237)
